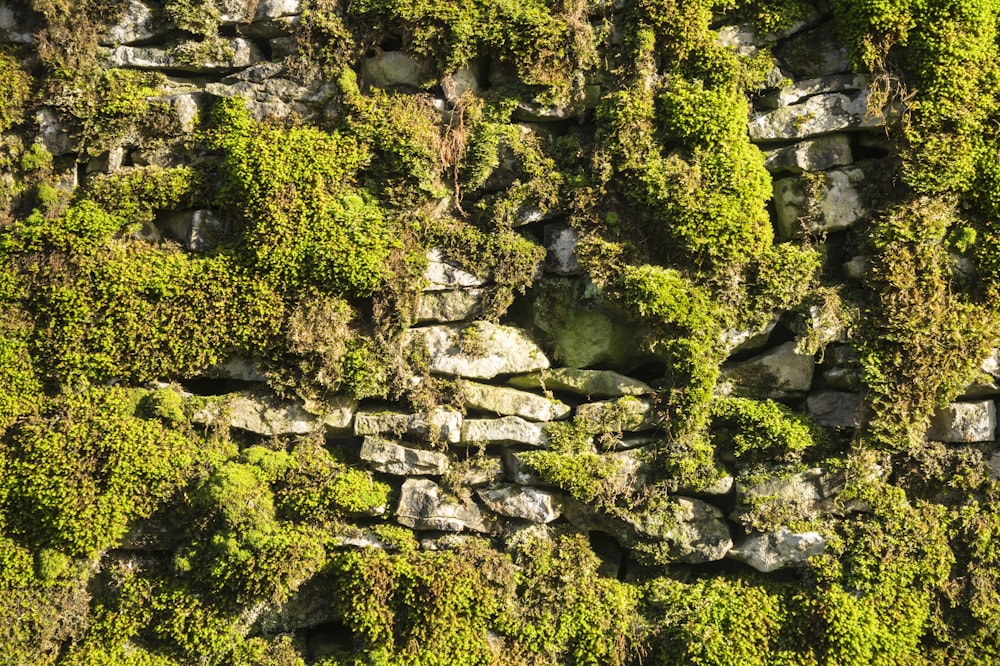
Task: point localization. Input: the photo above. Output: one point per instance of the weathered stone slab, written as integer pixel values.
(510, 402)
(825, 202)
(834, 409)
(781, 499)
(449, 306)
(506, 430)
(479, 350)
(589, 383)
(804, 88)
(239, 368)
(735, 340)
(477, 471)
(819, 114)
(441, 424)
(244, 53)
(560, 242)
(964, 422)
(779, 373)
(391, 69)
(424, 506)
(819, 154)
(266, 415)
(628, 414)
(443, 274)
(538, 506)
(391, 458)
(772, 551)
(135, 24)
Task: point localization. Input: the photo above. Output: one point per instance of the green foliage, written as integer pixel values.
(77, 476)
(36, 158)
(135, 194)
(714, 621)
(15, 87)
(762, 430)
(304, 221)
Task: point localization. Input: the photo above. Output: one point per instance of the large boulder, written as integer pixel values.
(825, 202)
(964, 422)
(537, 506)
(777, 550)
(588, 383)
(392, 458)
(479, 350)
(510, 402)
(424, 506)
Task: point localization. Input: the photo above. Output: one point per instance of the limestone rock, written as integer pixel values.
(781, 499)
(777, 550)
(199, 230)
(269, 94)
(239, 368)
(804, 88)
(443, 274)
(589, 383)
(477, 471)
(424, 506)
(779, 373)
(964, 422)
(458, 83)
(628, 414)
(391, 458)
(560, 244)
(834, 409)
(264, 414)
(511, 402)
(813, 53)
(449, 306)
(506, 430)
(244, 53)
(830, 201)
(747, 339)
(538, 506)
(391, 69)
(440, 424)
(819, 114)
(13, 27)
(675, 530)
(272, 9)
(479, 350)
(135, 24)
(817, 154)
(53, 134)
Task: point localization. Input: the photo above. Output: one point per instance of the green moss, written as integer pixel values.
(753, 430)
(14, 91)
(304, 220)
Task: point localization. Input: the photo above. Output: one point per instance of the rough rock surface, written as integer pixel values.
(538, 506)
(589, 383)
(392, 69)
(441, 424)
(778, 373)
(560, 244)
(817, 154)
(440, 306)
(819, 114)
(834, 409)
(628, 414)
(964, 422)
(777, 550)
(479, 350)
(828, 202)
(506, 430)
(391, 458)
(510, 402)
(244, 53)
(424, 506)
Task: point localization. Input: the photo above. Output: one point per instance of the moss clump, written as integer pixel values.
(762, 430)
(15, 87)
(304, 220)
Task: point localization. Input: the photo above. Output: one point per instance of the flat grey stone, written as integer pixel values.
(392, 458)
(135, 24)
(827, 202)
(779, 373)
(505, 430)
(819, 154)
(510, 402)
(964, 422)
(772, 551)
(450, 306)
(560, 242)
(817, 115)
(424, 506)
(479, 350)
(268, 416)
(834, 409)
(589, 383)
(628, 414)
(538, 506)
(391, 69)
(443, 274)
(440, 424)
(244, 54)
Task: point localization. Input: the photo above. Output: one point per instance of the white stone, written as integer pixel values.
(244, 54)
(538, 506)
(272, 9)
(804, 88)
(505, 430)
(53, 134)
(12, 26)
(560, 244)
(510, 402)
(449, 306)
(440, 424)
(391, 458)
(817, 154)
(135, 24)
(964, 422)
(479, 350)
(772, 551)
(458, 83)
